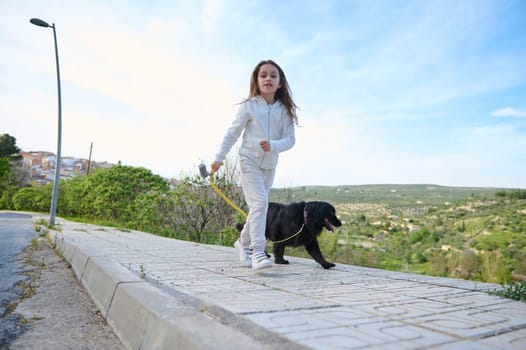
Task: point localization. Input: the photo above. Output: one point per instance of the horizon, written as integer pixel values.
(409, 92)
(307, 185)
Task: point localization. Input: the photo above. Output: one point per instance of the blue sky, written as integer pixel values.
(390, 91)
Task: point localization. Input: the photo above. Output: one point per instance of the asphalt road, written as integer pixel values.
(58, 314)
(16, 233)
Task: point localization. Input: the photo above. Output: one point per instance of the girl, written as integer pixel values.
(266, 118)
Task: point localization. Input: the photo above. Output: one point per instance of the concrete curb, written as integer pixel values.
(146, 317)
(102, 277)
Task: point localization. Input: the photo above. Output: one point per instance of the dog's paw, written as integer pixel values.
(282, 261)
(328, 265)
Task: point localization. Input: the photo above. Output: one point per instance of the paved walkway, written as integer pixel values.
(160, 293)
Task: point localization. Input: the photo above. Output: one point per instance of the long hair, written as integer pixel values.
(283, 94)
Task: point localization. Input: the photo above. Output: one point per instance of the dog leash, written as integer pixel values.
(294, 235)
(220, 193)
(205, 173)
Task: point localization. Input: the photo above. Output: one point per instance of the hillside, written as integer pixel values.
(393, 195)
(445, 231)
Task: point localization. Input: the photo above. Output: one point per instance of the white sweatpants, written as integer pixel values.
(256, 184)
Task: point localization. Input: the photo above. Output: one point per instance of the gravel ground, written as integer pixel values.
(60, 313)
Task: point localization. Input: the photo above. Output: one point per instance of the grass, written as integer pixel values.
(29, 287)
(142, 271)
(43, 226)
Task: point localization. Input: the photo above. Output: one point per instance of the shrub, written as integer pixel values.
(417, 236)
(109, 194)
(469, 263)
(33, 199)
(494, 267)
(438, 265)
(515, 291)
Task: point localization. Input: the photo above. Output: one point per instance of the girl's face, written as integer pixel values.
(268, 80)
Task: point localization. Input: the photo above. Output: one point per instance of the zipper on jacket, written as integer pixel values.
(268, 134)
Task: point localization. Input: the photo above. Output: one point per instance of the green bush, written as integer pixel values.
(6, 198)
(110, 194)
(495, 241)
(33, 199)
(71, 197)
(418, 236)
(420, 258)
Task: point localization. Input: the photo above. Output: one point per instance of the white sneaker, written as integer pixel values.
(260, 261)
(245, 254)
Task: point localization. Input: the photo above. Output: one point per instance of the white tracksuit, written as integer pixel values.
(258, 120)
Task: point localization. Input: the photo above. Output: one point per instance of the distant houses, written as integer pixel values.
(41, 166)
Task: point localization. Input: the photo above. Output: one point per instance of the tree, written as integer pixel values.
(5, 170)
(5, 175)
(8, 147)
(12, 174)
(8, 151)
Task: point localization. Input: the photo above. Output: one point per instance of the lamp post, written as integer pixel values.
(54, 199)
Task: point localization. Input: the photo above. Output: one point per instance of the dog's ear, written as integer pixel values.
(314, 213)
(330, 209)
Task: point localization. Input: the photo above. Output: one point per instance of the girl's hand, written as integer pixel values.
(265, 145)
(215, 166)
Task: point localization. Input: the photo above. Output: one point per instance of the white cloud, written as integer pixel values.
(509, 112)
(155, 85)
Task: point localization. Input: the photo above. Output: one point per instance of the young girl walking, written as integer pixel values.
(267, 119)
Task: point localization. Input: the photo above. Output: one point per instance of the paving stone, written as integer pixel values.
(347, 307)
(472, 323)
(515, 340)
(372, 334)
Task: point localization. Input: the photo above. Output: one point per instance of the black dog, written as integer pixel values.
(285, 220)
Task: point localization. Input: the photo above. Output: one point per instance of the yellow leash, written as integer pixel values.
(203, 171)
(219, 192)
(294, 235)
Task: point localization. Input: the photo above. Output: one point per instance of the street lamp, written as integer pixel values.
(54, 199)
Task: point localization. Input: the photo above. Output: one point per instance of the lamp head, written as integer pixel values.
(39, 22)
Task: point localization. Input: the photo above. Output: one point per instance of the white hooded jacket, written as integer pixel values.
(260, 121)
